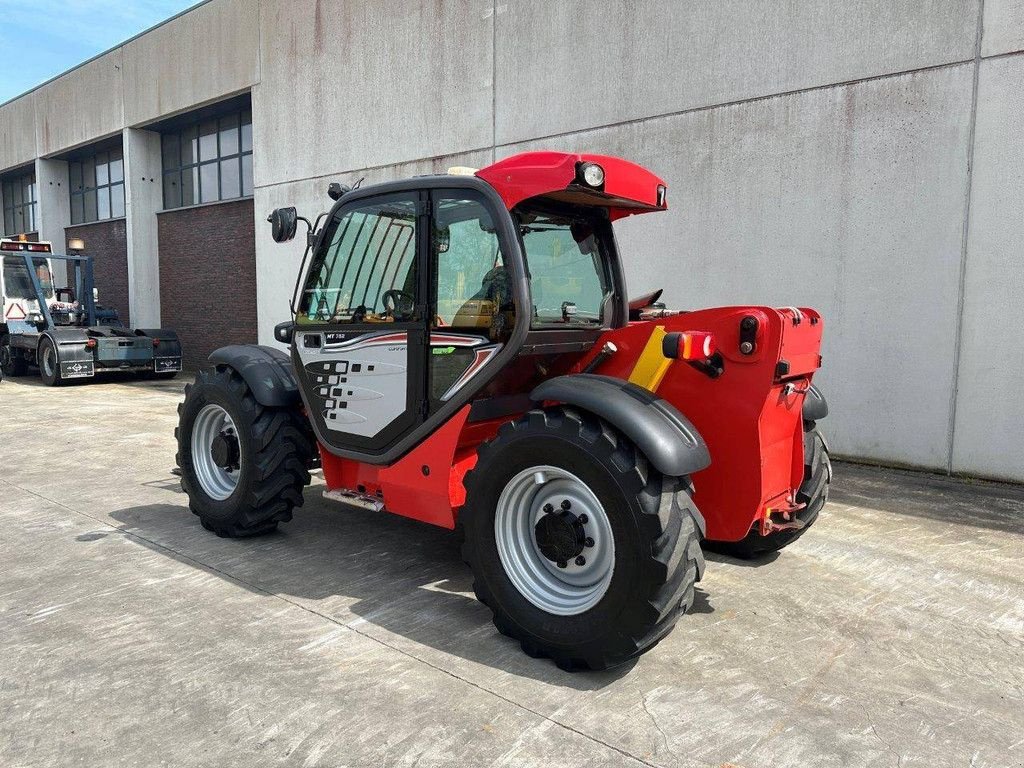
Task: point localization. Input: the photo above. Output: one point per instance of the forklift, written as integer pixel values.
(62, 331)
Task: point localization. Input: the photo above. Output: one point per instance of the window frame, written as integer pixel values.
(194, 158)
(107, 190)
(26, 209)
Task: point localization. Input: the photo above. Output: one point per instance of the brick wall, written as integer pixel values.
(208, 277)
(107, 243)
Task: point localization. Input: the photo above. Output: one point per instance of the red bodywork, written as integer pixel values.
(750, 417)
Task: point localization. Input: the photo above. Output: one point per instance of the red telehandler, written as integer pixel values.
(462, 352)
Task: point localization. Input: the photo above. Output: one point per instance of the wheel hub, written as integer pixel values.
(560, 536)
(224, 450)
(554, 540)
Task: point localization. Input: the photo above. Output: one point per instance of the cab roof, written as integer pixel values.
(627, 187)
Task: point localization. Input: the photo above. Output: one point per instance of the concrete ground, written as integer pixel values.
(891, 634)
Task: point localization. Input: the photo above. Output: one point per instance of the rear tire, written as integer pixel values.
(268, 450)
(12, 362)
(654, 528)
(813, 493)
(49, 364)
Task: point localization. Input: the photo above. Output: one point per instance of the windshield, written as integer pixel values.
(565, 257)
(18, 281)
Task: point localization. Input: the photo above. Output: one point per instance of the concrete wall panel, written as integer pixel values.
(989, 436)
(350, 85)
(278, 263)
(1004, 27)
(849, 200)
(18, 132)
(207, 54)
(80, 107)
(575, 64)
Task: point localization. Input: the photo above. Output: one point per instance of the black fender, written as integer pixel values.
(666, 437)
(74, 358)
(69, 344)
(267, 371)
(815, 406)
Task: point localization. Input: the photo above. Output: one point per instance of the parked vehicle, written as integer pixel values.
(462, 352)
(62, 331)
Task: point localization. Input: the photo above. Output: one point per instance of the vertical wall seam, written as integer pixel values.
(494, 80)
(962, 282)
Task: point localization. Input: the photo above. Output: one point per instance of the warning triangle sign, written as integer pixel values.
(15, 312)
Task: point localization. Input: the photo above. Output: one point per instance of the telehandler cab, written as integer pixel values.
(462, 352)
(62, 331)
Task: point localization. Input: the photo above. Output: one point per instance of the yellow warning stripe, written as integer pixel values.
(652, 365)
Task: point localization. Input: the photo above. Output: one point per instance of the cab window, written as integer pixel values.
(18, 280)
(367, 272)
(472, 288)
(565, 257)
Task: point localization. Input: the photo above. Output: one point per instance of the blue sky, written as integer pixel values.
(43, 38)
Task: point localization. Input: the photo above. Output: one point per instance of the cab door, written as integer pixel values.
(360, 341)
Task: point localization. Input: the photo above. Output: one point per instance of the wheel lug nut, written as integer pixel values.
(581, 560)
(588, 542)
(565, 504)
(548, 509)
(584, 519)
(562, 564)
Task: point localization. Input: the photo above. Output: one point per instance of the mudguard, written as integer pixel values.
(666, 437)
(76, 360)
(169, 344)
(815, 406)
(266, 370)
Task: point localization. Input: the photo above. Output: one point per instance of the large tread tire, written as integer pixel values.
(12, 363)
(52, 378)
(657, 533)
(275, 446)
(813, 492)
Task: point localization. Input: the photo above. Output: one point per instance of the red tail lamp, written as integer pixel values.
(689, 345)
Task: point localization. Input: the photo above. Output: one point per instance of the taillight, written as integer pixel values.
(156, 342)
(91, 343)
(689, 345)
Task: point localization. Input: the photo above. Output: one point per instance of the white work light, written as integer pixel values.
(592, 174)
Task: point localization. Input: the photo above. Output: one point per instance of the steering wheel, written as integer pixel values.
(398, 304)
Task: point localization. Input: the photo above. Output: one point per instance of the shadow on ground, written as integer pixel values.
(360, 568)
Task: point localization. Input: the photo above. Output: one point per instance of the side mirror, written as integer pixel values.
(284, 332)
(283, 223)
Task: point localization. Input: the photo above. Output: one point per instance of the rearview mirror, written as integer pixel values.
(283, 223)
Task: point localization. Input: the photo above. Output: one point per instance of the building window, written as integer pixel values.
(97, 187)
(19, 197)
(208, 161)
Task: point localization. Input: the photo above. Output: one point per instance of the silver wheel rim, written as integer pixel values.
(565, 591)
(48, 367)
(217, 482)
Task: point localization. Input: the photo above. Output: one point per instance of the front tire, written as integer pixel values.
(243, 465)
(533, 483)
(49, 364)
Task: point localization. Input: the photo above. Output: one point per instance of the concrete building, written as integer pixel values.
(859, 157)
